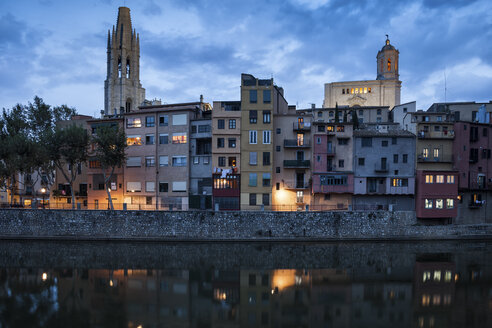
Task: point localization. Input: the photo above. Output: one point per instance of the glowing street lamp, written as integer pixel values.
(43, 192)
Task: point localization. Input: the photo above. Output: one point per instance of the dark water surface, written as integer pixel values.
(424, 284)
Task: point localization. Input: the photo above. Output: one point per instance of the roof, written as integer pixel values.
(390, 133)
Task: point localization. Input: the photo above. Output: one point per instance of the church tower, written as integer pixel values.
(122, 89)
(387, 61)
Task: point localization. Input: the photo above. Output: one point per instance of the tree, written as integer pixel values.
(355, 119)
(16, 148)
(67, 147)
(110, 144)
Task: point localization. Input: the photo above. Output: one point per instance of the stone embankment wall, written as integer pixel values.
(226, 226)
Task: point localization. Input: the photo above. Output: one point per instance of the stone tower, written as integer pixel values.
(122, 89)
(387, 62)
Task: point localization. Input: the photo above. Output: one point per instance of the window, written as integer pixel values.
(204, 128)
(232, 124)
(220, 124)
(193, 129)
(252, 137)
(340, 128)
(394, 140)
(405, 158)
(266, 199)
(231, 161)
(253, 177)
(179, 119)
(437, 128)
(222, 161)
(362, 161)
(220, 143)
(429, 178)
(318, 158)
(163, 139)
(266, 137)
(179, 186)
(267, 116)
(163, 160)
(450, 178)
(436, 152)
(331, 113)
(133, 140)
(330, 128)
(149, 121)
(149, 161)
(425, 152)
(196, 160)
(277, 148)
(253, 96)
(333, 180)
(379, 111)
(320, 114)
(149, 139)
(279, 130)
(150, 186)
(395, 158)
(232, 142)
(384, 143)
(163, 187)
(133, 187)
(428, 203)
(133, 161)
(252, 158)
(163, 120)
(439, 204)
(341, 163)
(366, 142)
(277, 186)
(266, 179)
(277, 169)
(253, 116)
(266, 158)
(133, 122)
(450, 203)
(484, 132)
(252, 200)
(318, 140)
(179, 160)
(343, 141)
(179, 138)
(399, 182)
(439, 178)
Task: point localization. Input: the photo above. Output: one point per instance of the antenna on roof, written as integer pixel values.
(445, 86)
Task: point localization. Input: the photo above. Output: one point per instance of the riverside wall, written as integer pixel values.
(227, 226)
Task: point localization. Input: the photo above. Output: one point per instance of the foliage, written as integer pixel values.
(110, 144)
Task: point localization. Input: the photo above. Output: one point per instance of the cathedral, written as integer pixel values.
(123, 91)
(384, 91)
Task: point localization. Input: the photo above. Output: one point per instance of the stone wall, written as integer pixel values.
(226, 226)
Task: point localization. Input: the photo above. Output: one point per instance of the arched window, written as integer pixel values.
(128, 105)
(128, 68)
(382, 65)
(119, 67)
(389, 65)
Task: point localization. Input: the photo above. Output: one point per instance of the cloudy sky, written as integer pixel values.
(57, 49)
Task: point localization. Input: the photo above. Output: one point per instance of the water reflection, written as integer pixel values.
(435, 290)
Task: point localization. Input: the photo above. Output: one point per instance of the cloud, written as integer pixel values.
(310, 4)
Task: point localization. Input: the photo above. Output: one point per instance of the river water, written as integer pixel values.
(420, 284)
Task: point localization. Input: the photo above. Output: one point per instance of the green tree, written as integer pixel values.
(110, 144)
(67, 147)
(355, 119)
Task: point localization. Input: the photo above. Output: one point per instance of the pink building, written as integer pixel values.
(436, 194)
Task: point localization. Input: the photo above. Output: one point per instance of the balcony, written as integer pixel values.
(475, 204)
(297, 164)
(331, 151)
(439, 159)
(297, 143)
(381, 167)
(436, 134)
(299, 126)
(296, 185)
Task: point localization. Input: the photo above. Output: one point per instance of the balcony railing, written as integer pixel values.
(306, 126)
(297, 143)
(475, 205)
(296, 185)
(436, 134)
(380, 167)
(331, 151)
(301, 164)
(439, 159)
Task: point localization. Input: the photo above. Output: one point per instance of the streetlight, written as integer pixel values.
(43, 192)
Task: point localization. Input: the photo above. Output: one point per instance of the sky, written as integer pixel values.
(56, 49)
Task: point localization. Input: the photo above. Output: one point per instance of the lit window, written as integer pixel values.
(428, 203)
(179, 138)
(436, 152)
(396, 182)
(352, 90)
(450, 203)
(340, 128)
(439, 204)
(437, 275)
(436, 299)
(425, 300)
(330, 128)
(134, 122)
(425, 153)
(450, 179)
(389, 65)
(447, 276)
(134, 140)
(368, 90)
(426, 276)
(429, 178)
(439, 178)
(365, 90)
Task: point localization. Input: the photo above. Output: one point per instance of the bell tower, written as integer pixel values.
(123, 91)
(387, 62)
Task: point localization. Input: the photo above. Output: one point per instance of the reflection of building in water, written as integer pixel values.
(225, 287)
(434, 290)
